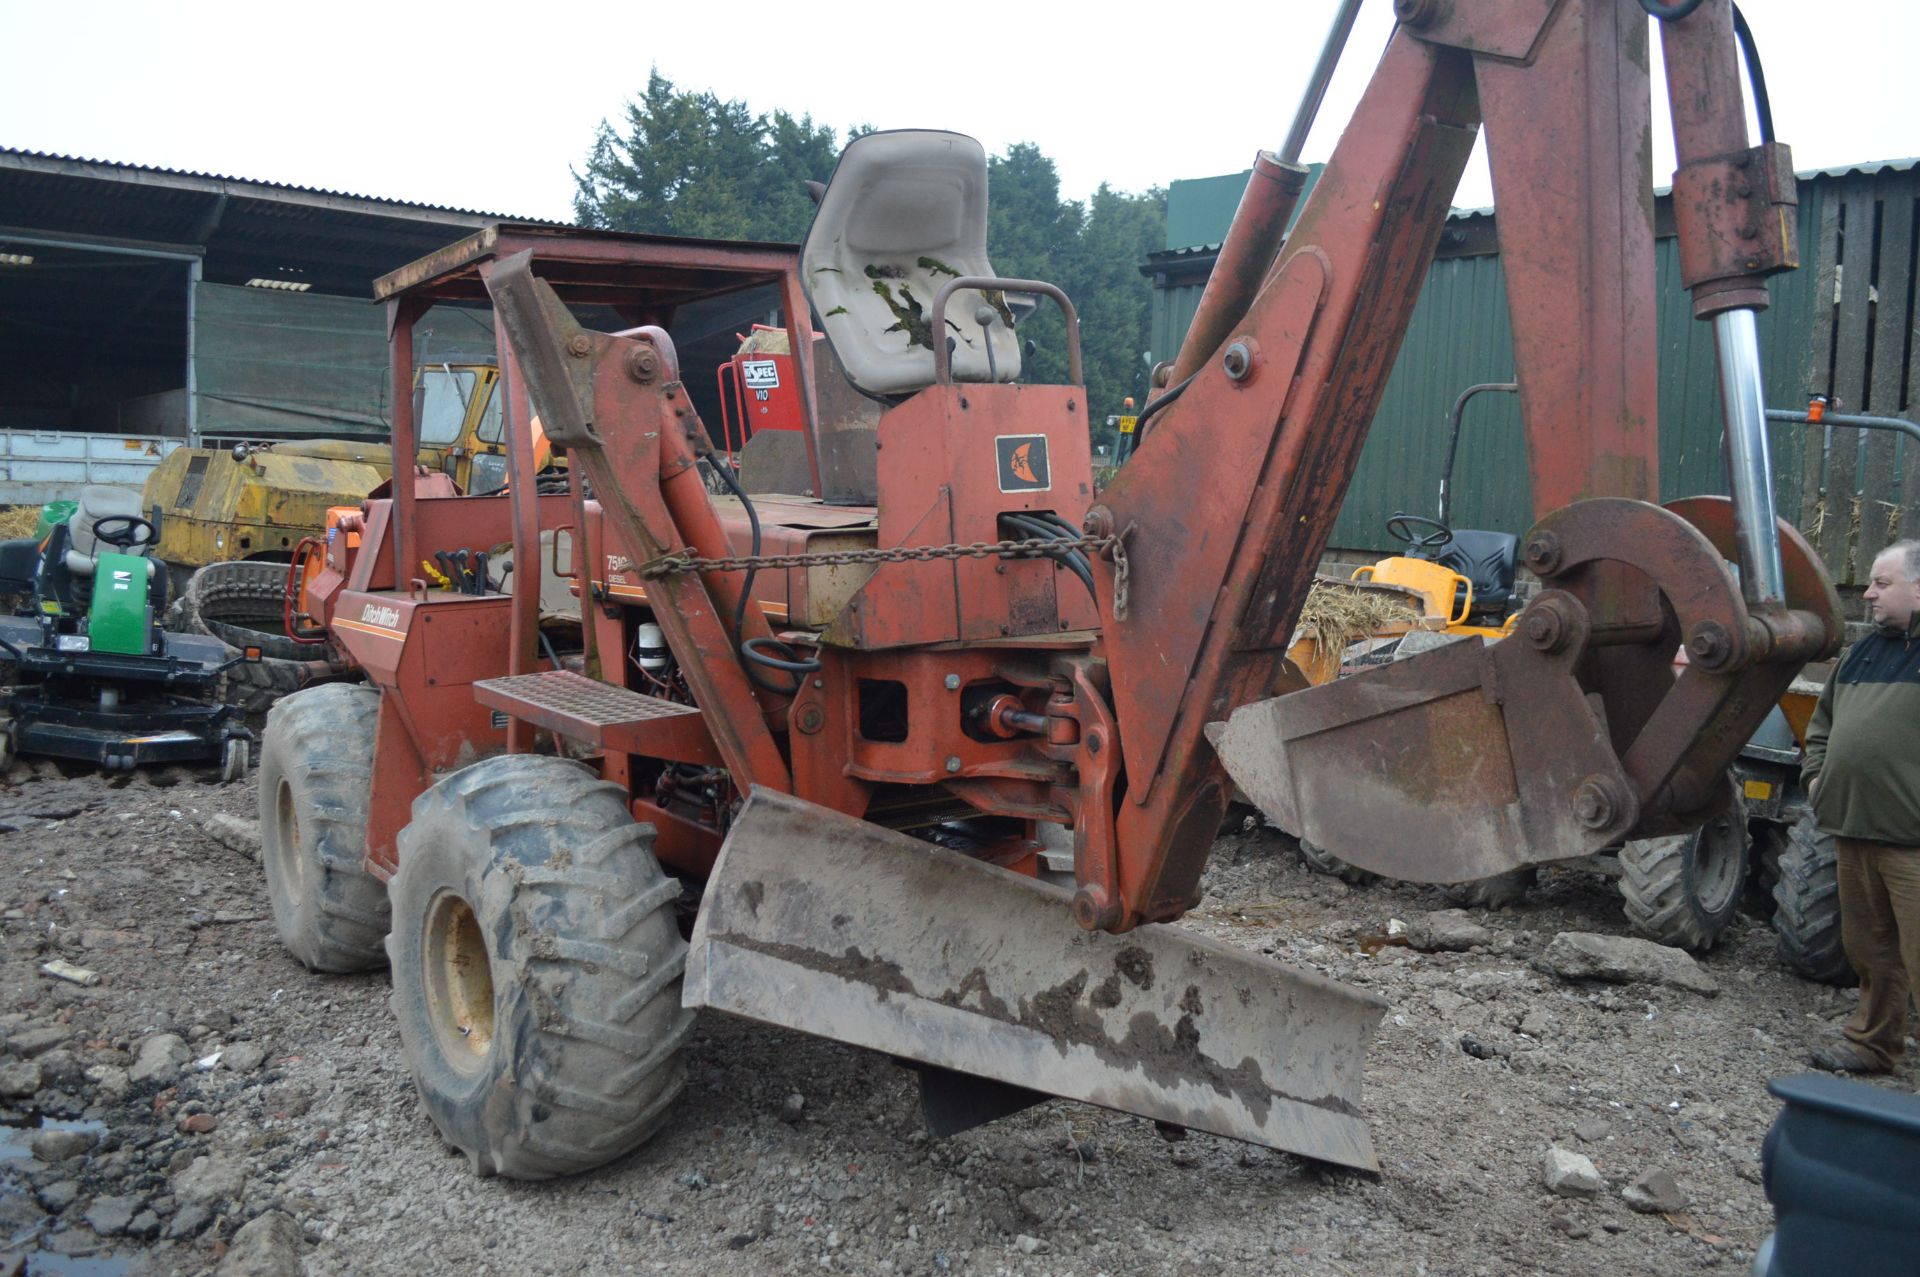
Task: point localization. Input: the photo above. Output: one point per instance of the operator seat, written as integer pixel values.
(1487, 559)
(83, 546)
(906, 211)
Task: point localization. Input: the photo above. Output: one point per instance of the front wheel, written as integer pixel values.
(234, 756)
(537, 968)
(1683, 889)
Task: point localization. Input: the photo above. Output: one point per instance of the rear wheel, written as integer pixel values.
(1806, 917)
(537, 968)
(316, 772)
(253, 687)
(1684, 889)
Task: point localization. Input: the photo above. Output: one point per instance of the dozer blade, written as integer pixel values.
(826, 924)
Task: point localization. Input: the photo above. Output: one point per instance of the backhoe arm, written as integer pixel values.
(1227, 505)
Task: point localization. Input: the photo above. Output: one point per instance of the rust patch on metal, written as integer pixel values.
(885, 978)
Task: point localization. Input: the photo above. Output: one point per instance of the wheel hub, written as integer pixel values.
(459, 982)
(287, 845)
(1716, 864)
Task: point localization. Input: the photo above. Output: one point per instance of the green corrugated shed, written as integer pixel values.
(1460, 335)
(1199, 209)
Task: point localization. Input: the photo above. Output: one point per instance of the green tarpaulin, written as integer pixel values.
(271, 364)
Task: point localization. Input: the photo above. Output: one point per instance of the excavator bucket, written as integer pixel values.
(819, 922)
(1575, 733)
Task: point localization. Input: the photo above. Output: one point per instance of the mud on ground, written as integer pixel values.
(215, 1082)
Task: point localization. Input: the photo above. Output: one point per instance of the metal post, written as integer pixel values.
(1743, 405)
(405, 446)
(193, 379)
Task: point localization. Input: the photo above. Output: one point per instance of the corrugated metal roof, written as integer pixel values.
(193, 179)
(1866, 168)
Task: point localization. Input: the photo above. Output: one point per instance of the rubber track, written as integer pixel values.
(232, 600)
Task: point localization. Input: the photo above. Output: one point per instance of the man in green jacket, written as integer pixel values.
(1863, 770)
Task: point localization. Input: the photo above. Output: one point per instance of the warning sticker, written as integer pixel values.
(1023, 463)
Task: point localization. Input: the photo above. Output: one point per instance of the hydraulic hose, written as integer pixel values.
(1756, 78)
(1147, 413)
(749, 648)
(1036, 526)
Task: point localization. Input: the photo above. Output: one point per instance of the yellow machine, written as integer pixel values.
(1444, 596)
(256, 501)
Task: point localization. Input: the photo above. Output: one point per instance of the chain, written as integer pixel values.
(682, 561)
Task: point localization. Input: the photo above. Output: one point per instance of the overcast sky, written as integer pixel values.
(485, 107)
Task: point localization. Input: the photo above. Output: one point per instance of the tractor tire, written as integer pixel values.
(240, 603)
(316, 771)
(1321, 860)
(254, 687)
(1683, 889)
(1806, 916)
(1496, 892)
(537, 967)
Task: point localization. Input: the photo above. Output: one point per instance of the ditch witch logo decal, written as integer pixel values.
(1023, 463)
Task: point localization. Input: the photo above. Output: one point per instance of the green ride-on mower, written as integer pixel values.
(91, 674)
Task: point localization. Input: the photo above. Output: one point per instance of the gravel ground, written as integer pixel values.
(301, 1147)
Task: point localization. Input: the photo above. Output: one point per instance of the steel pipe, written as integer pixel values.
(1862, 421)
(1743, 409)
(1247, 253)
(1330, 50)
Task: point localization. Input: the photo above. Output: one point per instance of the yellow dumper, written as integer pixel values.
(256, 501)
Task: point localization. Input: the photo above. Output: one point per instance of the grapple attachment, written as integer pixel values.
(1571, 735)
(826, 924)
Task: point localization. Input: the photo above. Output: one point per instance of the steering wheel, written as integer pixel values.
(123, 531)
(1404, 527)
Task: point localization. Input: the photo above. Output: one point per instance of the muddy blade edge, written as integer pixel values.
(825, 924)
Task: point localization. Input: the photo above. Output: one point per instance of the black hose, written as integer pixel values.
(796, 667)
(1034, 526)
(1147, 413)
(547, 643)
(1669, 12)
(748, 648)
(1757, 78)
(1076, 559)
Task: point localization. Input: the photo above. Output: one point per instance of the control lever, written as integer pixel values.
(984, 317)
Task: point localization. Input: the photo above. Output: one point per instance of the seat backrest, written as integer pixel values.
(1488, 560)
(97, 503)
(906, 211)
